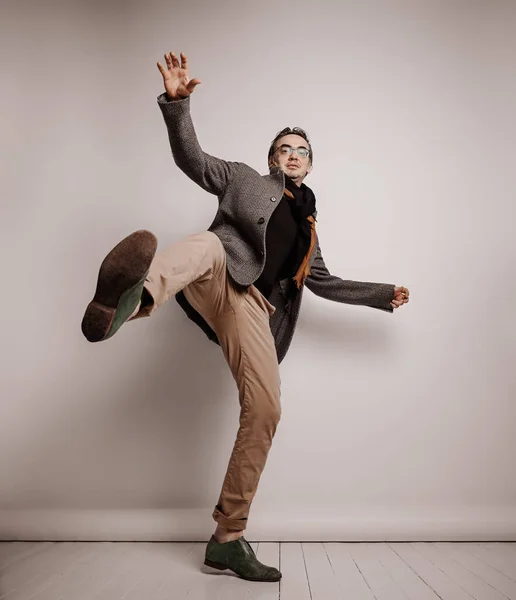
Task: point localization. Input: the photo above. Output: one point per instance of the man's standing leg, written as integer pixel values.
(241, 321)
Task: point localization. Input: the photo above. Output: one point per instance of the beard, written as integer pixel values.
(296, 171)
(296, 175)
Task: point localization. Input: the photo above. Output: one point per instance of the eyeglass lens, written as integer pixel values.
(302, 152)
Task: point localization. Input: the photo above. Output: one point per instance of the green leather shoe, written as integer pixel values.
(238, 556)
(119, 286)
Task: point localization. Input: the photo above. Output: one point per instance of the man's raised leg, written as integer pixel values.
(134, 280)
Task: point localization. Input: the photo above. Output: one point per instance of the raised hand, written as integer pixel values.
(175, 77)
(401, 296)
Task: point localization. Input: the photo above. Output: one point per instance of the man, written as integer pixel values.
(242, 282)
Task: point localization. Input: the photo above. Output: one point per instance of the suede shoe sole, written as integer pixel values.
(119, 286)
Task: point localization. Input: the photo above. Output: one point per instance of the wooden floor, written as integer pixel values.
(311, 571)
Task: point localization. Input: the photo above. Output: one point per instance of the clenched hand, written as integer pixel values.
(401, 296)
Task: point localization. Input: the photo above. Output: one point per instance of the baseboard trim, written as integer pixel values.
(177, 525)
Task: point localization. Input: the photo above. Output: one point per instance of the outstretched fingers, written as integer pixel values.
(175, 62)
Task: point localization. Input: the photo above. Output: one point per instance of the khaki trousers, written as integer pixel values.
(197, 265)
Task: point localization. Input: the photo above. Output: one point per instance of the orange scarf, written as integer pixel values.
(304, 268)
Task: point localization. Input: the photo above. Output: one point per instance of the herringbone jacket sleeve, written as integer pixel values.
(324, 284)
(211, 173)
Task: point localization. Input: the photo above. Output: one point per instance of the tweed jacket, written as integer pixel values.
(246, 201)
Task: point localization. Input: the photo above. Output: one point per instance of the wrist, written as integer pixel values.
(176, 97)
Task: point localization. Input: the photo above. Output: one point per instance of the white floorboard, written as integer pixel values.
(294, 583)
(311, 571)
(498, 580)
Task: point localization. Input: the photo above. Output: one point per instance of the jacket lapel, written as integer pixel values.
(276, 179)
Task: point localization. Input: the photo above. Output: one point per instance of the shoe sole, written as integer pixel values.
(119, 285)
(221, 567)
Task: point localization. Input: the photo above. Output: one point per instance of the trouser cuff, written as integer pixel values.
(230, 524)
(147, 304)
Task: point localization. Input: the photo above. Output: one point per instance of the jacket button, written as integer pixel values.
(273, 199)
(261, 220)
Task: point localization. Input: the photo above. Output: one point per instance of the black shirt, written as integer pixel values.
(281, 234)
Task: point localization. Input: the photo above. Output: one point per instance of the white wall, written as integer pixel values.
(394, 426)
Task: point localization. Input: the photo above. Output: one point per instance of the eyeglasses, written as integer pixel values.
(287, 151)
